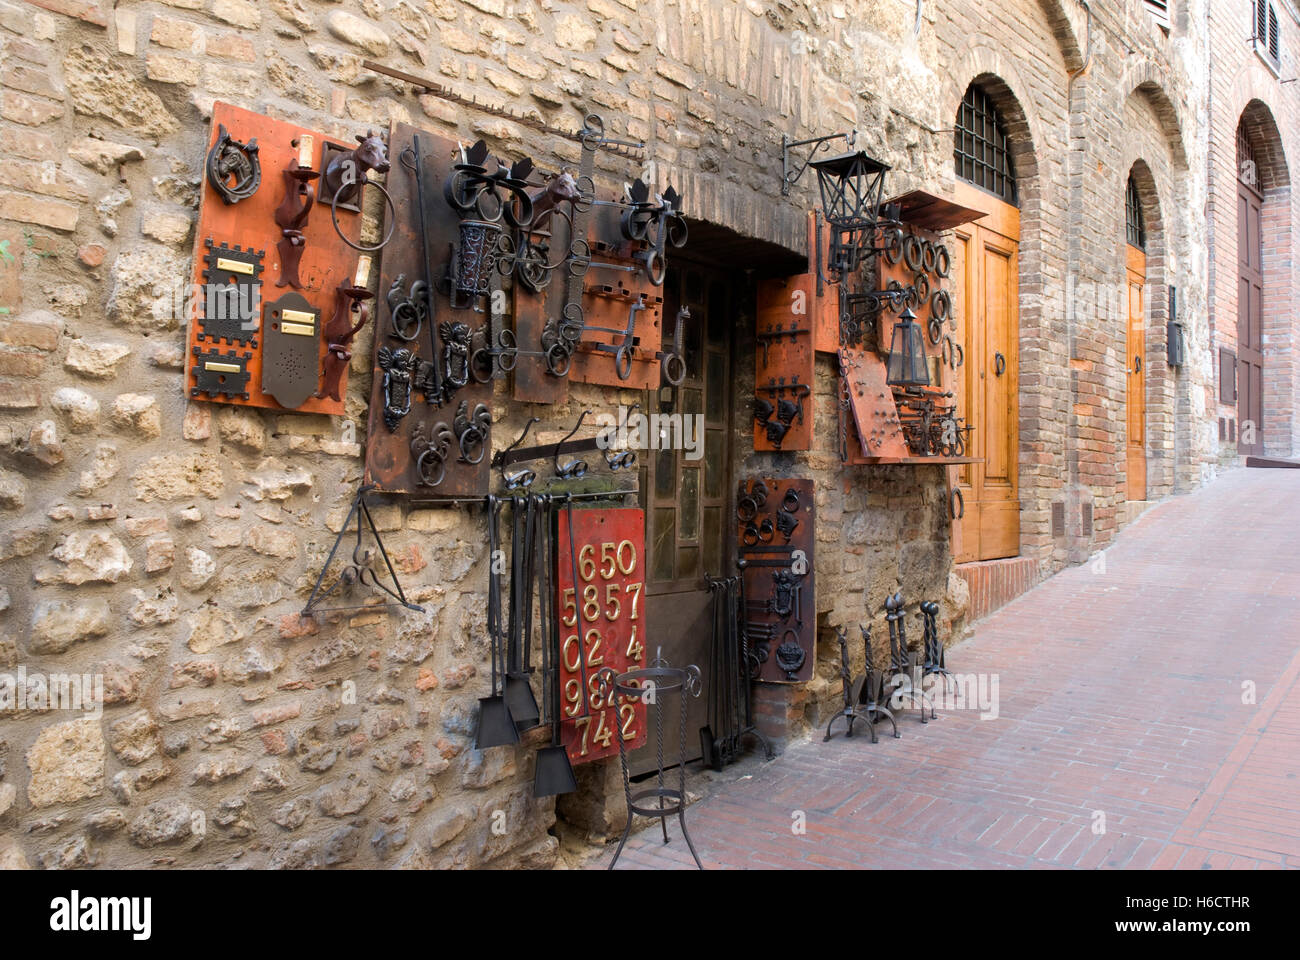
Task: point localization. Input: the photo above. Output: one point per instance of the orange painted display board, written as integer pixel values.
(250, 224)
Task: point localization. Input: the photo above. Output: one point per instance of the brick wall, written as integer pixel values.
(1244, 86)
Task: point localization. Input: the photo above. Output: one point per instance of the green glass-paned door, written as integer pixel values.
(688, 484)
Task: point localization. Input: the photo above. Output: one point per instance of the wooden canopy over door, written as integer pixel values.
(1135, 370)
(1250, 320)
(986, 304)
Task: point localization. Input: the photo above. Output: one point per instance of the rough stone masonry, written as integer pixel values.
(167, 545)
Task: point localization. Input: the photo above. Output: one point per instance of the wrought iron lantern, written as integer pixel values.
(852, 190)
(907, 363)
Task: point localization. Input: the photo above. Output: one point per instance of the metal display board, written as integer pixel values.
(393, 452)
(239, 349)
(775, 530)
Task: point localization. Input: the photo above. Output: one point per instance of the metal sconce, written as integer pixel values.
(907, 363)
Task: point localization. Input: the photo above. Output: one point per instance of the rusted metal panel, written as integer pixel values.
(225, 363)
(875, 415)
(602, 625)
(780, 604)
(390, 464)
(783, 367)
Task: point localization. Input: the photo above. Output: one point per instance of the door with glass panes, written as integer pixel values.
(685, 491)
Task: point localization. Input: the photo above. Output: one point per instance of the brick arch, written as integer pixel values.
(1266, 141)
(1146, 80)
(985, 64)
(1149, 198)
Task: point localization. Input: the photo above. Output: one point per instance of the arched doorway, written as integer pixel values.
(1135, 267)
(1261, 387)
(986, 264)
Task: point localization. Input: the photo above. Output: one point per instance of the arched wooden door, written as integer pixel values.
(1250, 302)
(986, 300)
(1135, 457)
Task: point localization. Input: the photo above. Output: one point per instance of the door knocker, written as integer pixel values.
(398, 366)
(430, 447)
(229, 160)
(472, 431)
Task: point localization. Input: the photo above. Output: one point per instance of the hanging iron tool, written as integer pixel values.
(435, 391)
(553, 772)
(496, 727)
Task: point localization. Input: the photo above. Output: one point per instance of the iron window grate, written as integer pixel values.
(981, 148)
(1137, 231)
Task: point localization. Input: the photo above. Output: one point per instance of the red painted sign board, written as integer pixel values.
(603, 625)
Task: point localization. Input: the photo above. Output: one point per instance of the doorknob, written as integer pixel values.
(999, 364)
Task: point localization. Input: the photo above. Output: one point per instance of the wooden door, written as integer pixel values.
(1250, 313)
(688, 528)
(1135, 371)
(986, 298)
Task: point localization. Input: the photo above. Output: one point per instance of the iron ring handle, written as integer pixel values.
(999, 364)
(956, 499)
(942, 262)
(747, 509)
(558, 360)
(655, 268)
(750, 536)
(422, 469)
(469, 440)
(790, 502)
(623, 362)
(399, 327)
(766, 527)
(934, 327)
(674, 363)
(392, 219)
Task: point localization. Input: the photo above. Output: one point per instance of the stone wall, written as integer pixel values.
(168, 545)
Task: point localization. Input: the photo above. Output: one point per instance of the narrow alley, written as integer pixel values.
(1125, 694)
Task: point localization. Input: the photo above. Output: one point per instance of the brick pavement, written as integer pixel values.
(1121, 691)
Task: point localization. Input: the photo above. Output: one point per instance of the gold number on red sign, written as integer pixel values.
(590, 603)
(611, 599)
(627, 713)
(608, 563)
(569, 604)
(635, 590)
(587, 562)
(635, 651)
(631, 564)
(594, 659)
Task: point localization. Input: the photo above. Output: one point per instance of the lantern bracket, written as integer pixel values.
(790, 174)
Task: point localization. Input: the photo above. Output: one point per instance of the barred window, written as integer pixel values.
(981, 147)
(1137, 231)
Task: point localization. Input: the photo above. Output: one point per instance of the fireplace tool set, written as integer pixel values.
(732, 668)
(867, 695)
